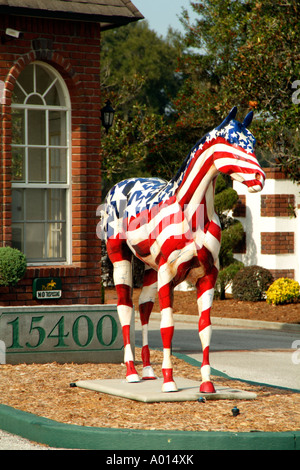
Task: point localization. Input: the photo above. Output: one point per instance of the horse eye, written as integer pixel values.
(257, 176)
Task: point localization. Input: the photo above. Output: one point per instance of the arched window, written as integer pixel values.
(40, 165)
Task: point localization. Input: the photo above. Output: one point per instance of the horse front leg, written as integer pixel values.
(146, 301)
(205, 294)
(165, 295)
(121, 258)
(123, 273)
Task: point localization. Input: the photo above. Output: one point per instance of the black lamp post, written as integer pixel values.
(107, 115)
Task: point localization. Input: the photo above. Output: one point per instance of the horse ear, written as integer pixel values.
(248, 119)
(230, 116)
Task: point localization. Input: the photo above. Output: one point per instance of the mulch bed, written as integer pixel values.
(44, 389)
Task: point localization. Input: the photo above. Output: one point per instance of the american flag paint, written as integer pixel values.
(173, 228)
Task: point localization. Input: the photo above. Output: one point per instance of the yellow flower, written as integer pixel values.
(283, 291)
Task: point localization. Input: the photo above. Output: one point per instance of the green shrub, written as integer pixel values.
(225, 278)
(13, 266)
(251, 283)
(283, 291)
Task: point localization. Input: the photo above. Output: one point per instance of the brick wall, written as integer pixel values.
(277, 205)
(271, 222)
(277, 243)
(77, 287)
(278, 273)
(73, 49)
(274, 173)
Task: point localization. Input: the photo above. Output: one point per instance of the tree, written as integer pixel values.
(267, 65)
(135, 58)
(128, 147)
(245, 53)
(139, 77)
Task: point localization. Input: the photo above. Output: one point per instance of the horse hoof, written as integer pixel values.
(131, 373)
(132, 378)
(148, 373)
(207, 387)
(169, 387)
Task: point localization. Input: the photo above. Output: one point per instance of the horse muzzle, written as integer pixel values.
(256, 185)
(254, 182)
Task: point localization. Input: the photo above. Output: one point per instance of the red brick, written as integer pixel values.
(274, 173)
(273, 243)
(277, 205)
(287, 273)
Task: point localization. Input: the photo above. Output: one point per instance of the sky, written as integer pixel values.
(161, 14)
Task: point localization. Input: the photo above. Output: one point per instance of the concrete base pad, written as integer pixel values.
(149, 391)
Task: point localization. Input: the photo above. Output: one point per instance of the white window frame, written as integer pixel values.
(68, 147)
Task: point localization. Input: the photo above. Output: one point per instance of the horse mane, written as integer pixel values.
(177, 178)
(187, 160)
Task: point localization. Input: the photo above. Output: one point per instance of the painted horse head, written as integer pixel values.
(240, 162)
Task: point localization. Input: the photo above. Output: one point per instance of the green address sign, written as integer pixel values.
(61, 333)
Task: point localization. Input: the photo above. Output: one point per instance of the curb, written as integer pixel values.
(71, 436)
(266, 325)
(68, 436)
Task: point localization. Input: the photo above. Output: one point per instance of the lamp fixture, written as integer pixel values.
(107, 116)
(11, 34)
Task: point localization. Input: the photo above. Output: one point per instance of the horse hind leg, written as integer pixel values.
(165, 295)
(122, 274)
(205, 294)
(146, 301)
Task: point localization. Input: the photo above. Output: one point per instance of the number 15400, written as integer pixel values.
(81, 331)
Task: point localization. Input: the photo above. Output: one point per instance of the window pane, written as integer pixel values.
(58, 165)
(43, 79)
(35, 204)
(35, 99)
(18, 164)
(17, 236)
(57, 128)
(35, 241)
(18, 94)
(25, 79)
(36, 165)
(56, 241)
(36, 127)
(17, 205)
(53, 97)
(18, 126)
(56, 205)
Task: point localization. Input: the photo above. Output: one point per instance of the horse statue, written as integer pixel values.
(173, 228)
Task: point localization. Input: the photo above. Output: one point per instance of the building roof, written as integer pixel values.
(109, 13)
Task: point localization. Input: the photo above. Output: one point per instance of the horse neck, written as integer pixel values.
(195, 180)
